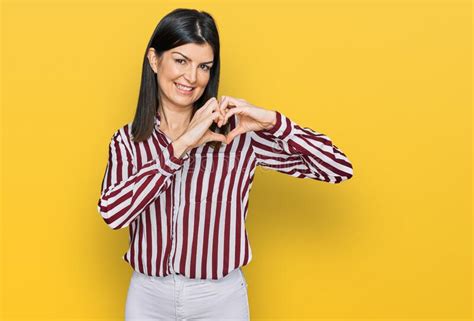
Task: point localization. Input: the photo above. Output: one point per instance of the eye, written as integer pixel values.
(178, 60)
(206, 67)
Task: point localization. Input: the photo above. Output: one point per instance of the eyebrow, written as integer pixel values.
(190, 59)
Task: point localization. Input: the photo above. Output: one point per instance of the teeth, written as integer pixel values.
(184, 88)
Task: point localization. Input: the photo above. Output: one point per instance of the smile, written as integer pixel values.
(184, 89)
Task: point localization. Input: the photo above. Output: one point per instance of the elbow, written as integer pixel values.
(109, 218)
(337, 179)
(334, 173)
(115, 226)
(340, 178)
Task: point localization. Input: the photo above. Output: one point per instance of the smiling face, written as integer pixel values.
(188, 65)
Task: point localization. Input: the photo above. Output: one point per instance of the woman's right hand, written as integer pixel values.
(198, 132)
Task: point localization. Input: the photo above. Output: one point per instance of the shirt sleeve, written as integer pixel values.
(126, 191)
(300, 152)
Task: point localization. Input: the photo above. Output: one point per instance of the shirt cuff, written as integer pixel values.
(168, 161)
(282, 128)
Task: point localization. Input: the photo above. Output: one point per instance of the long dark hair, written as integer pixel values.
(179, 27)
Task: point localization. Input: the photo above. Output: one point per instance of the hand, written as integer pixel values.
(250, 117)
(198, 132)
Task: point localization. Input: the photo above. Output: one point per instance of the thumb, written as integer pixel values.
(212, 136)
(234, 132)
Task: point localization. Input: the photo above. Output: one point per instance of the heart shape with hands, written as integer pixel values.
(250, 118)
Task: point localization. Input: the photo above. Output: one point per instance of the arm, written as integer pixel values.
(126, 192)
(300, 152)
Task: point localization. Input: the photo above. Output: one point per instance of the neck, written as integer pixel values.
(174, 119)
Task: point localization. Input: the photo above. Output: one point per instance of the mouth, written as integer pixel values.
(183, 89)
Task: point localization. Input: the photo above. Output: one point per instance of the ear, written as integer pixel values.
(152, 59)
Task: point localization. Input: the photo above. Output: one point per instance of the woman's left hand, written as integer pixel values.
(250, 117)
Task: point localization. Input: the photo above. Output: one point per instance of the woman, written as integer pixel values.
(179, 176)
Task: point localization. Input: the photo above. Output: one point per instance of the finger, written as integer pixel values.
(216, 117)
(229, 106)
(214, 103)
(218, 109)
(225, 105)
(234, 132)
(219, 137)
(212, 136)
(234, 102)
(211, 103)
(221, 108)
(204, 107)
(232, 111)
(214, 106)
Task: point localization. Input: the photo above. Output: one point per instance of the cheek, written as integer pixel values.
(173, 72)
(165, 76)
(204, 80)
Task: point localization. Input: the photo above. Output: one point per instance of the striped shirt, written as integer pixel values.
(187, 215)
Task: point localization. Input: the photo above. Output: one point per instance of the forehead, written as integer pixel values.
(194, 52)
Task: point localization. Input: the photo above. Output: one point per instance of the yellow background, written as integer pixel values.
(388, 81)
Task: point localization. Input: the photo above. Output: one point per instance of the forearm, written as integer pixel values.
(273, 120)
(180, 147)
(287, 146)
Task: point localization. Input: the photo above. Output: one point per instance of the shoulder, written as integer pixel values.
(122, 135)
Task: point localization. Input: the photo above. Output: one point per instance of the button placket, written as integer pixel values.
(176, 201)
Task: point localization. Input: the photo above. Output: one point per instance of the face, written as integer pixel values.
(188, 65)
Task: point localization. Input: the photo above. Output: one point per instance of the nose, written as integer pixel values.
(191, 75)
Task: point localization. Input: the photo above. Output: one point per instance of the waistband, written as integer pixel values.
(236, 273)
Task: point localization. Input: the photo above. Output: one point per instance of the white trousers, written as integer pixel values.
(176, 297)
